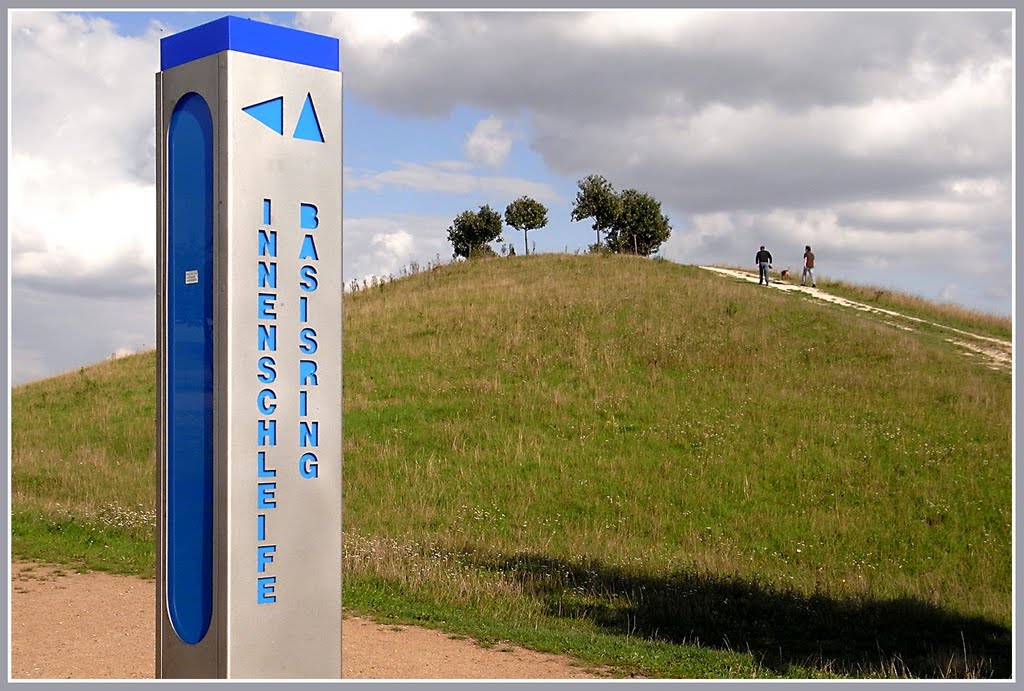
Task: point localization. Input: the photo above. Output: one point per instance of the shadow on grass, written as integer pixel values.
(780, 628)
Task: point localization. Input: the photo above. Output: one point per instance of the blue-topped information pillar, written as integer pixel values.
(249, 238)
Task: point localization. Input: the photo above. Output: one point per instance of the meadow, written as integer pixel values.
(635, 462)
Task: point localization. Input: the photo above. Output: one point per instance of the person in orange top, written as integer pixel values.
(808, 267)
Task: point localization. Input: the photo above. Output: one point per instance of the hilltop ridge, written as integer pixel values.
(616, 446)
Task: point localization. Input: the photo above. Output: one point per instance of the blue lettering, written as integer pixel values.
(265, 306)
(261, 401)
(309, 434)
(308, 341)
(267, 373)
(261, 466)
(266, 275)
(265, 589)
(266, 433)
(264, 556)
(302, 403)
(307, 216)
(302, 309)
(265, 497)
(307, 372)
(308, 250)
(268, 243)
(308, 466)
(307, 279)
(266, 337)
(266, 404)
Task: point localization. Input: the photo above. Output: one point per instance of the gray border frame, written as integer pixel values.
(1018, 256)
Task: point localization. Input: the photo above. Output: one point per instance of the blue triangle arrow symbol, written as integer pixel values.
(308, 126)
(270, 113)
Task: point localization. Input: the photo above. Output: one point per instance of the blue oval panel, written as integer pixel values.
(190, 368)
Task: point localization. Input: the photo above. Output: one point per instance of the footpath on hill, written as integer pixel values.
(68, 625)
(997, 353)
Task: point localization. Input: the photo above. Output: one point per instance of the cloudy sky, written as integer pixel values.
(882, 139)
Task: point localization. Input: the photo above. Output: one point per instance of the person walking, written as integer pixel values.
(808, 267)
(763, 261)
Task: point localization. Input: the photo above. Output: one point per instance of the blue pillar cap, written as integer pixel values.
(253, 37)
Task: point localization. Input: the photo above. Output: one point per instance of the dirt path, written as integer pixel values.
(67, 625)
(997, 353)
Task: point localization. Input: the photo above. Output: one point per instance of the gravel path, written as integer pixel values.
(997, 353)
(68, 625)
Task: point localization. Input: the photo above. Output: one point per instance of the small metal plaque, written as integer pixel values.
(191, 276)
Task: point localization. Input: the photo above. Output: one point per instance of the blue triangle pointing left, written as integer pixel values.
(270, 113)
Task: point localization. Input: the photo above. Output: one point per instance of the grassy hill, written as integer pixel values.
(640, 463)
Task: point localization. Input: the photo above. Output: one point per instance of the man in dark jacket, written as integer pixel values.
(763, 260)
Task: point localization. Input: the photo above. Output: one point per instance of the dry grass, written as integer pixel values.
(950, 314)
(577, 395)
(629, 446)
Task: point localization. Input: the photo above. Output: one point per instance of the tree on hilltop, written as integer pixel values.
(640, 228)
(472, 232)
(597, 199)
(526, 214)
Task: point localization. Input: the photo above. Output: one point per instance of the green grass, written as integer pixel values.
(600, 454)
(86, 545)
(84, 442)
(948, 314)
(608, 653)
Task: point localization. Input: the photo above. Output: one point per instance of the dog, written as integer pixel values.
(784, 274)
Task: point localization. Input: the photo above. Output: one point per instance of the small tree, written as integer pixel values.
(526, 214)
(472, 232)
(597, 199)
(641, 227)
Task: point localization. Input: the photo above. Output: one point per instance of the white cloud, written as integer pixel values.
(396, 244)
(727, 157)
(66, 227)
(82, 199)
(372, 29)
(388, 243)
(940, 125)
(81, 166)
(880, 138)
(447, 178)
(977, 189)
(739, 109)
(936, 210)
(489, 143)
(840, 247)
(649, 25)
